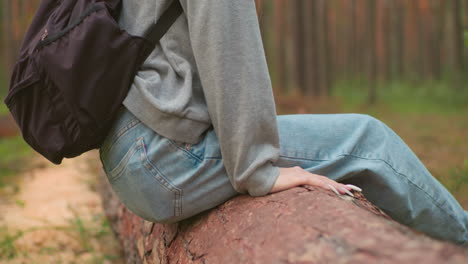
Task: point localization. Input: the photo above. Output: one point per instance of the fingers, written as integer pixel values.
(333, 189)
(354, 187)
(295, 176)
(334, 186)
(339, 189)
(349, 193)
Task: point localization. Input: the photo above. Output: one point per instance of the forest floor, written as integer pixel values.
(53, 214)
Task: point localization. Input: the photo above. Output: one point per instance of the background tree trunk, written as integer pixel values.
(327, 50)
(297, 28)
(321, 64)
(311, 85)
(399, 41)
(458, 43)
(371, 56)
(300, 225)
(7, 33)
(438, 11)
(280, 45)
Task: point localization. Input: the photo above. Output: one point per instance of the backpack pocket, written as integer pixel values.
(39, 110)
(24, 76)
(26, 83)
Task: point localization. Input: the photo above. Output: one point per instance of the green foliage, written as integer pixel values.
(87, 232)
(3, 91)
(404, 96)
(458, 178)
(3, 107)
(7, 247)
(13, 155)
(465, 35)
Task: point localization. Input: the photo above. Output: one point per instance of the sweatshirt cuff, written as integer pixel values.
(262, 180)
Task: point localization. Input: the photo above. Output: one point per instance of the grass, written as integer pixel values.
(465, 36)
(458, 179)
(7, 240)
(87, 232)
(433, 97)
(3, 107)
(3, 91)
(94, 237)
(14, 154)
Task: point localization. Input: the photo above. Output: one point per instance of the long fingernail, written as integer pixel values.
(347, 192)
(354, 187)
(333, 189)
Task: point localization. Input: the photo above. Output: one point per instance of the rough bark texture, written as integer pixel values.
(301, 225)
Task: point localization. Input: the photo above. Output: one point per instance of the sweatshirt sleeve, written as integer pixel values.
(228, 50)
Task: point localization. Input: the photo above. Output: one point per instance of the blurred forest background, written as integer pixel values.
(403, 61)
(369, 47)
(347, 48)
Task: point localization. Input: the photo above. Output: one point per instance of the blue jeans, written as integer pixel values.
(165, 181)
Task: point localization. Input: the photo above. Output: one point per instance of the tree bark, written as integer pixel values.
(300, 225)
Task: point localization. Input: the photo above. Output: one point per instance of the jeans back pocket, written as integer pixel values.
(141, 187)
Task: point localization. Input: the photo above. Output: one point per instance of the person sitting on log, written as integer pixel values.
(199, 126)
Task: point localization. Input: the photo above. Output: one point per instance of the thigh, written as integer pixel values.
(317, 142)
(138, 183)
(159, 179)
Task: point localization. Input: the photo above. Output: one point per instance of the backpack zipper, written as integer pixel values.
(47, 39)
(44, 35)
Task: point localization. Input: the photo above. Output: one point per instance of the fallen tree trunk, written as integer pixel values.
(300, 225)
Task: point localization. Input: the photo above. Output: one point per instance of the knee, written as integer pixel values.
(371, 123)
(365, 118)
(371, 131)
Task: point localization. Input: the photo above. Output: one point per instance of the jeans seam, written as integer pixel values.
(301, 158)
(115, 173)
(435, 202)
(159, 176)
(192, 155)
(122, 131)
(213, 158)
(409, 180)
(125, 129)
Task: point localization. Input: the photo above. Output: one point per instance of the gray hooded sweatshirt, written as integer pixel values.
(209, 70)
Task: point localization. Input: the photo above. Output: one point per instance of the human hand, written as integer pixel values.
(295, 176)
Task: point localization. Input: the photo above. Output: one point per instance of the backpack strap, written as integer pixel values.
(157, 30)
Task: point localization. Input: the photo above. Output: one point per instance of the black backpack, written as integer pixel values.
(74, 70)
